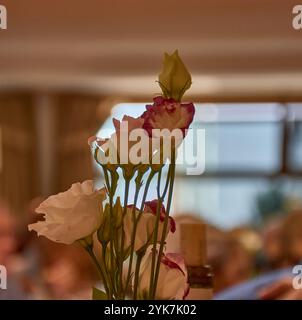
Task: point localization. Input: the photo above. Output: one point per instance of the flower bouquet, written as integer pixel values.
(124, 237)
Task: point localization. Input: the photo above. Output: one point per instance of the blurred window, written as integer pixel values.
(241, 137)
(244, 151)
(295, 140)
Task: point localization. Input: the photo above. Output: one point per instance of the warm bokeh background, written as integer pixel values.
(65, 64)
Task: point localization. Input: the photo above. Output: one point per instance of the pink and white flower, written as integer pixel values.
(168, 114)
(172, 280)
(151, 206)
(146, 225)
(129, 144)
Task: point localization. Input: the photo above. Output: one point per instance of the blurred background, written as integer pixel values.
(68, 67)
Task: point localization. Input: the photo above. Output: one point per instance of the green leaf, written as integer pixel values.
(98, 294)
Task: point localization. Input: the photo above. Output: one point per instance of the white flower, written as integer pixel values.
(172, 280)
(71, 215)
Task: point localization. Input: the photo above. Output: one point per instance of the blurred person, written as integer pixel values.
(8, 241)
(253, 289)
(68, 272)
(277, 284)
(291, 235)
(273, 254)
(26, 263)
(281, 290)
(249, 238)
(8, 244)
(223, 251)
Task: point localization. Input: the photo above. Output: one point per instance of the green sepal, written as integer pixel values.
(98, 294)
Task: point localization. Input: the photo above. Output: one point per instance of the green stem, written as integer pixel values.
(106, 178)
(136, 275)
(165, 227)
(111, 286)
(136, 220)
(99, 268)
(104, 168)
(158, 184)
(133, 236)
(137, 190)
(121, 257)
(111, 195)
(166, 186)
(155, 233)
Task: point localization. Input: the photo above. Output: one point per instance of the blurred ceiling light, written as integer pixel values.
(231, 85)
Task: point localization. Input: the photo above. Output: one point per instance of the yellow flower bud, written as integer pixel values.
(174, 79)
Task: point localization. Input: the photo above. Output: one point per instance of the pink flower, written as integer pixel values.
(146, 225)
(151, 206)
(172, 280)
(130, 144)
(91, 140)
(120, 139)
(168, 114)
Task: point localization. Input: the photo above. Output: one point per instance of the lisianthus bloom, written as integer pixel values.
(130, 144)
(172, 279)
(71, 215)
(116, 148)
(146, 225)
(122, 136)
(168, 114)
(174, 79)
(151, 207)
